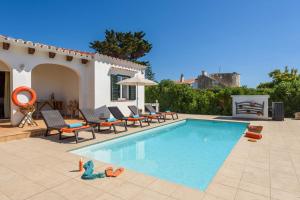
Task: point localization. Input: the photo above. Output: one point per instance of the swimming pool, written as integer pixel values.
(187, 152)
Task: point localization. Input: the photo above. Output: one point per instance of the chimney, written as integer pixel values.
(181, 78)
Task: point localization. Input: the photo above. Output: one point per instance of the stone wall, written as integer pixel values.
(228, 79)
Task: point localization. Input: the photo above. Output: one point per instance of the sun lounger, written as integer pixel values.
(54, 121)
(150, 109)
(150, 117)
(91, 118)
(115, 111)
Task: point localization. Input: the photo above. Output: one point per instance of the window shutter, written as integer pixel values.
(115, 88)
(132, 92)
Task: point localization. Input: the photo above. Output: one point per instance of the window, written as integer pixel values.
(121, 91)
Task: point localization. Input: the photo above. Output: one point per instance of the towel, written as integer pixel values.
(89, 171)
(112, 119)
(75, 125)
(152, 113)
(136, 116)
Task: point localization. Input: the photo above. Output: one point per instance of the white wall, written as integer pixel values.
(62, 81)
(22, 63)
(94, 78)
(102, 73)
(251, 98)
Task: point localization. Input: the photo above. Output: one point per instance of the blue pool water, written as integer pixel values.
(188, 152)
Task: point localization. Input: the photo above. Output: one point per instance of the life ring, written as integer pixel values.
(23, 89)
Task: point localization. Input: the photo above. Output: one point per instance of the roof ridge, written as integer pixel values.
(82, 54)
(41, 44)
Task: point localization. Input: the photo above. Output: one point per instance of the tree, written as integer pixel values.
(279, 76)
(286, 75)
(127, 46)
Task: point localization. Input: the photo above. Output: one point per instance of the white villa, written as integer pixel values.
(89, 78)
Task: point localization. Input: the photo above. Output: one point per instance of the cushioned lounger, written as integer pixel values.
(150, 117)
(54, 121)
(150, 109)
(115, 111)
(91, 118)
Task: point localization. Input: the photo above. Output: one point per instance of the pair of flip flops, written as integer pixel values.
(109, 172)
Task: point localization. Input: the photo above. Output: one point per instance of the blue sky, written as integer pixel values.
(249, 37)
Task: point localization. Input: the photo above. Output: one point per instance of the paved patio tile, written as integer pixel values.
(183, 193)
(282, 195)
(110, 184)
(256, 176)
(230, 172)
(163, 187)
(222, 191)
(42, 168)
(225, 180)
(265, 165)
(47, 195)
(254, 188)
(69, 169)
(210, 197)
(128, 175)
(19, 188)
(285, 167)
(6, 175)
(243, 195)
(75, 190)
(3, 197)
(285, 182)
(107, 196)
(126, 190)
(142, 180)
(150, 195)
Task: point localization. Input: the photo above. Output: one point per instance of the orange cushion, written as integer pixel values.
(70, 130)
(110, 123)
(153, 116)
(253, 135)
(255, 128)
(135, 119)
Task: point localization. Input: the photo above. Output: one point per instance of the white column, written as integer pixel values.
(19, 78)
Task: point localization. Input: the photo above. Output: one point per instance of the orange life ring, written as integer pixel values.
(23, 89)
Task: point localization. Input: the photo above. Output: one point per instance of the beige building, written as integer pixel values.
(205, 80)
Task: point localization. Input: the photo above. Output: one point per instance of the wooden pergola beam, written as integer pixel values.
(5, 45)
(31, 50)
(69, 58)
(84, 61)
(52, 54)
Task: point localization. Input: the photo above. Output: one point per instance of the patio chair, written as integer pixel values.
(150, 117)
(54, 121)
(92, 119)
(165, 114)
(115, 111)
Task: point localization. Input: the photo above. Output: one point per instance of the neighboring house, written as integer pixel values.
(191, 82)
(205, 80)
(89, 78)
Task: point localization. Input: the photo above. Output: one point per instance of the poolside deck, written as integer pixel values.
(42, 168)
(9, 132)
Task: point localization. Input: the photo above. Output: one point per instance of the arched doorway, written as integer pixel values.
(55, 83)
(4, 90)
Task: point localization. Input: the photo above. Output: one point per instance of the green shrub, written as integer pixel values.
(217, 101)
